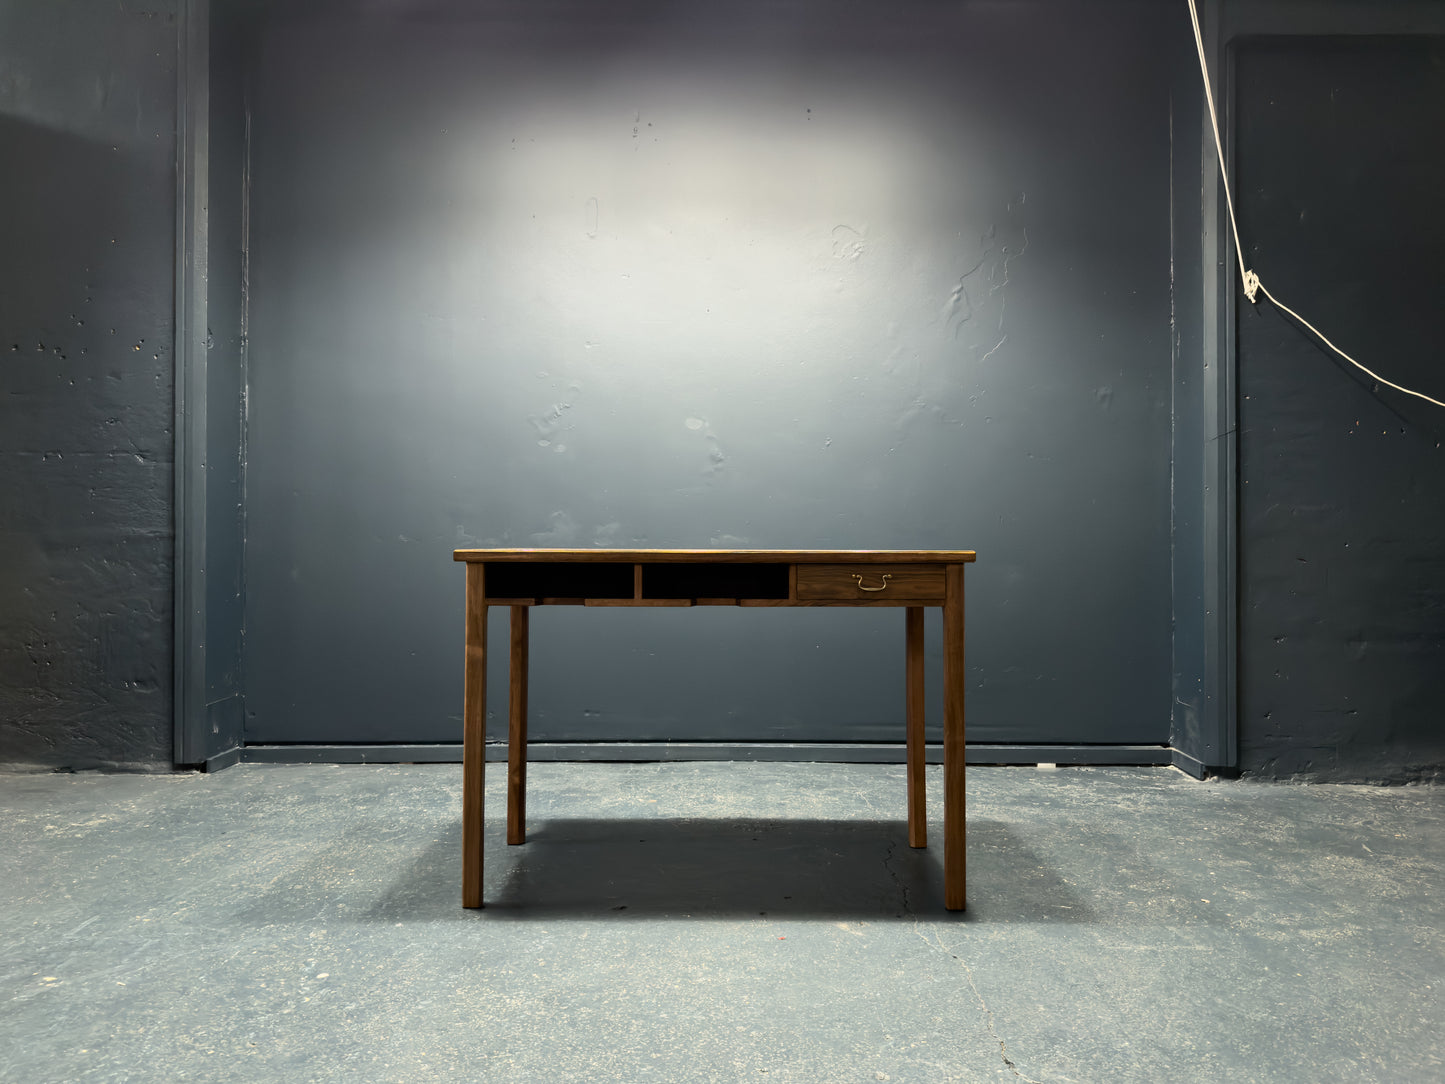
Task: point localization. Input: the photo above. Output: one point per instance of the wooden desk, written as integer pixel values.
(523, 578)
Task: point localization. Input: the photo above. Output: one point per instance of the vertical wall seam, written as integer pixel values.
(1230, 492)
(1174, 668)
(244, 361)
(189, 367)
(180, 602)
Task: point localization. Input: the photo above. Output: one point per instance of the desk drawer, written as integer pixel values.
(869, 583)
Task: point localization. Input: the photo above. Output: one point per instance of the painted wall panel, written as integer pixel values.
(1343, 598)
(769, 275)
(225, 372)
(87, 181)
(1190, 730)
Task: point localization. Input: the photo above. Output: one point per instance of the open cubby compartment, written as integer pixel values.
(721, 580)
(559, 579)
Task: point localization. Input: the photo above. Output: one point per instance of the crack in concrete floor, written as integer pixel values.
(989, 1021)
(897, 880)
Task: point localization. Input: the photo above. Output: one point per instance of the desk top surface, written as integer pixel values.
(800, 557)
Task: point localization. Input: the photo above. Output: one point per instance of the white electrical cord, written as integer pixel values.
(1249, 280)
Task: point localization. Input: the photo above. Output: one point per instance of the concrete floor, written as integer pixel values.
(718, 922)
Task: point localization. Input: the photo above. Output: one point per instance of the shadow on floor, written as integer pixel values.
(730, 869)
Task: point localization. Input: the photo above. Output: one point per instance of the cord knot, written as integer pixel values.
(1251, 286)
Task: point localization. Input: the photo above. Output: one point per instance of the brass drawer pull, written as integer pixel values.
(881, 587)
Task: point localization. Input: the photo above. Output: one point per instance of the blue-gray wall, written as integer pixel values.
(87, 229)
(777, 274)
(1342, 522)
(1339, 657)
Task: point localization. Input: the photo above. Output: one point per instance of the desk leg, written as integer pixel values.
(517, 731)
(954, 833)
(474, 736)
(913, 646)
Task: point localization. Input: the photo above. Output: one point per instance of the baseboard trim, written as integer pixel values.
(222, 761)
(1199, 770)
(822, 752)
(1188, 764)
